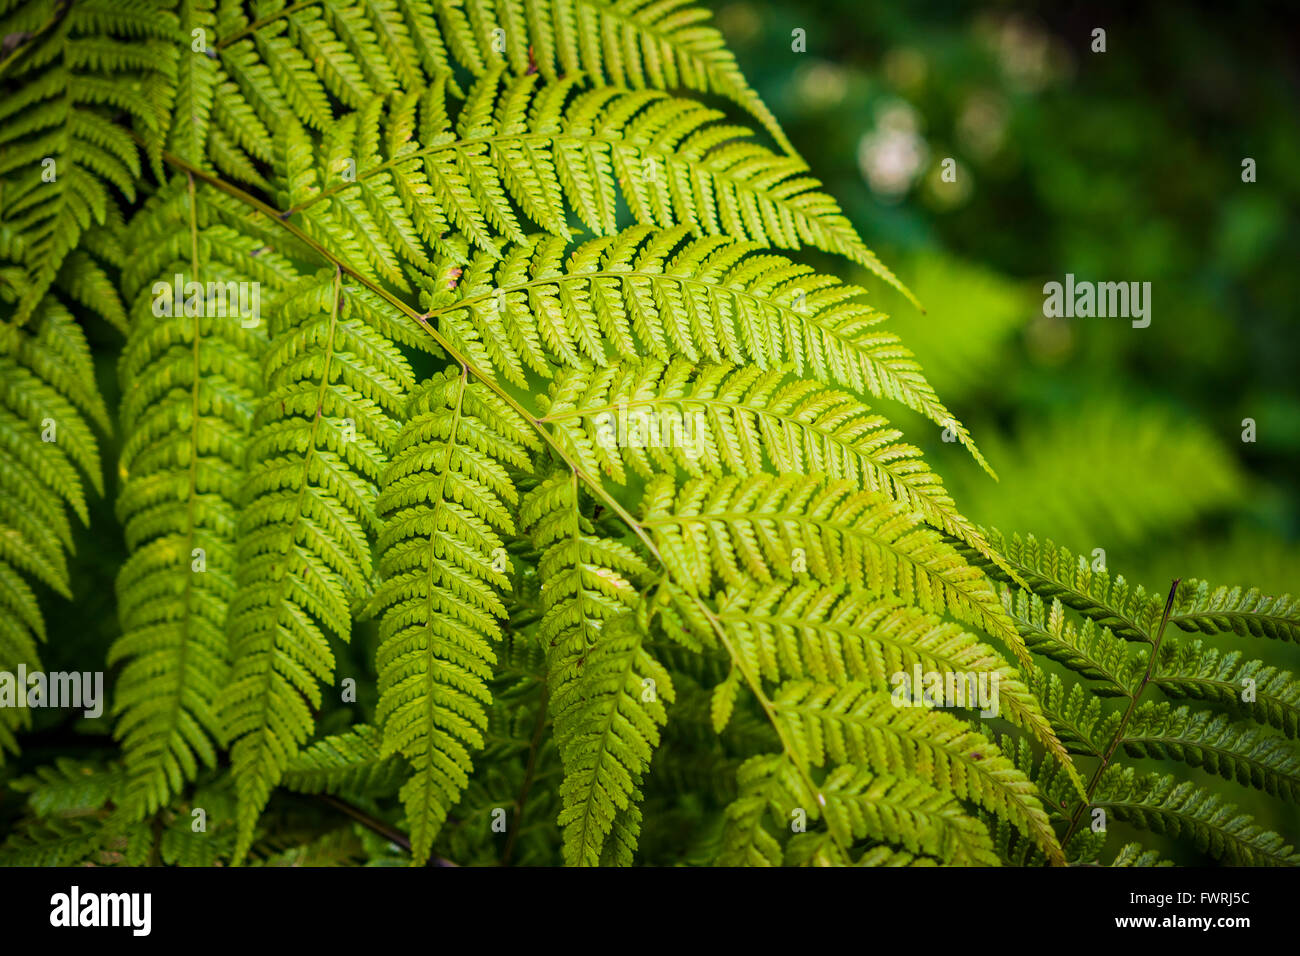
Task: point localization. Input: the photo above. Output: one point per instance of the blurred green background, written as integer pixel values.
(1117, 166)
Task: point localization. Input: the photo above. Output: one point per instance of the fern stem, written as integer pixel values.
(375, 825)
(597, 487)
(1118, 738)
(756, 688)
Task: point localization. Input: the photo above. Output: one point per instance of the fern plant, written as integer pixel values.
(1183, 700)
(533, 478)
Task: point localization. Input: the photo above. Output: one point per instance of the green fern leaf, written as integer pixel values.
(656, 292)
(1195, 671)
(606, 714)
(764, 527)
(651, 417)
(60, 149)
(1237, 611)
(321, 437)
(446, 500)
(853, 724)
(1233, 750)
(48, 400)
(1164, 805)
(190, 372)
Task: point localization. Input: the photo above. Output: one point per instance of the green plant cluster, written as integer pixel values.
(490, 468)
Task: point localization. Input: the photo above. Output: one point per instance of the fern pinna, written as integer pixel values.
(534, 473)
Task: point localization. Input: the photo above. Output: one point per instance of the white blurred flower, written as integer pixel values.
(894, 154)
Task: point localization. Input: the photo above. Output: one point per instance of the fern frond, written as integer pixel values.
(1056, 790)
(294, 56)
(1052, 572)
(68, 786)
(361, 51)
(714, 418)
(552, 145)
(348, 763)
(68, 819)
(766, 527)
(1237, 611)
(1233, 750)
(1075, 713)
(56, 841)
(658, 293)
(910, 812)
(62, 154)
(1250, 688)
(628, 43)
(1132, 854)
(84, 278)
(835, 635)
(1162, 804)
(446, 501)
(48, 402)
(854, 724)
(1091, 651)
(614, 714)
(334, 389)
(769, 787)
(197, 78)
(606, 691)
(189, 374)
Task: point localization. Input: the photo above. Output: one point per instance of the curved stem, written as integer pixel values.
(595, 484)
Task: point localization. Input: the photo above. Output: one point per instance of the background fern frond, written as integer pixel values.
(48, 402)
(345, 764)
(62, 154)
(1165, 805)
